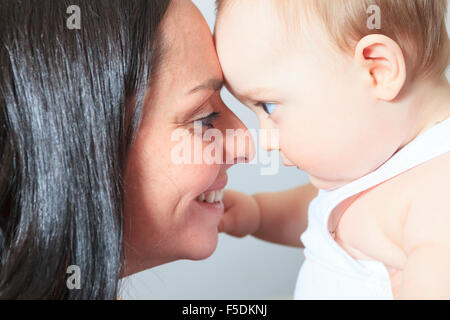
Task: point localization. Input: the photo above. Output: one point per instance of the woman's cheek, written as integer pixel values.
(200, 164)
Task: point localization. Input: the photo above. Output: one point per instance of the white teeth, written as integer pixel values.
(211, 197)
(219, 195)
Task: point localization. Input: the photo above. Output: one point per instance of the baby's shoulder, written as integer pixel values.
(432, 180)
(428, 216)
(417, 187)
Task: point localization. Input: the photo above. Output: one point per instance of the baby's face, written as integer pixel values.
(329, 123)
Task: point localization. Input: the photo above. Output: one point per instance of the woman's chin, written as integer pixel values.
(200, 233)
(202, 247)
(195, 246)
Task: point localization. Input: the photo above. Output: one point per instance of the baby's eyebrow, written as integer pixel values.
(254, 94)
(250, 96)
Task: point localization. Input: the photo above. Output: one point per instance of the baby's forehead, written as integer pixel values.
(273, 25)
(251, 22)
(252, 46)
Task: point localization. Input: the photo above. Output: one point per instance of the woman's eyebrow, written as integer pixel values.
(211, 84)
(192, 113)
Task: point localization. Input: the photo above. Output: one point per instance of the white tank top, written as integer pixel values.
(329, 272)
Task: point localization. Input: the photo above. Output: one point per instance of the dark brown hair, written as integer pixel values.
(70, 105)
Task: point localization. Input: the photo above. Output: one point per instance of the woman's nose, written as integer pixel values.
(239, 146)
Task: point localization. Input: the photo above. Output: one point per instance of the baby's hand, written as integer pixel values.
(242, 215)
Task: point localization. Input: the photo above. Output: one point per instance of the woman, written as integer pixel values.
(86, 123)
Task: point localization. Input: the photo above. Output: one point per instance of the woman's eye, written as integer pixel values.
(269, 108)
(210, 119)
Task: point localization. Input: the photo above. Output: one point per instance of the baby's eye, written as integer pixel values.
(269, 108)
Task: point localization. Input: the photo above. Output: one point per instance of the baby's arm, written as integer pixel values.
(426, 242)
(279, 217)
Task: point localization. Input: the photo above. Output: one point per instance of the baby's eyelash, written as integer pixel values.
(264, 106)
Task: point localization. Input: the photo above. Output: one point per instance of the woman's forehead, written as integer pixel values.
(189, 54)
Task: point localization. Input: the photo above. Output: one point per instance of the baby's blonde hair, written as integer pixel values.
(418, 26)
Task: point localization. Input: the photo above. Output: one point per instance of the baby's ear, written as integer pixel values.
(383, 64)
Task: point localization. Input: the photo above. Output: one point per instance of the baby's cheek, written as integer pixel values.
(311, 150)
(293, 146)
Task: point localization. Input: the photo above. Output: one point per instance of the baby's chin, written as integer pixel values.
(287, 162)
(327, 185)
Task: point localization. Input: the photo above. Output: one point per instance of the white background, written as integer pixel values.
(240, 268)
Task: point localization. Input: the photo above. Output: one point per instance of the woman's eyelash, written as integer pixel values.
(210, 119)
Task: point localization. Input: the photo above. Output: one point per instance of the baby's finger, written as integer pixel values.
(229, 198)
(225, 225)
(230, 225)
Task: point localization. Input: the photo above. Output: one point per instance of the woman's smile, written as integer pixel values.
(211, 199)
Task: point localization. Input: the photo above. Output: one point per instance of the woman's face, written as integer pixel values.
(164, 221)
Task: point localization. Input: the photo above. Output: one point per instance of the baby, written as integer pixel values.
(358, 93)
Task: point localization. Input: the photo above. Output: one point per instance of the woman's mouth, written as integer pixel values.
(210, 202)
(211, 199)
(211, 196)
